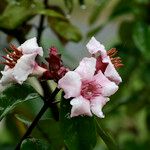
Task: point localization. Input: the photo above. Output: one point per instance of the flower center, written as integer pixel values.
(12, 56)
(117, 62)
(90, 89)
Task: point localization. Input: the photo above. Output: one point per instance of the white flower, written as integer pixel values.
(21, 62)
(89, 91)
(105, 62)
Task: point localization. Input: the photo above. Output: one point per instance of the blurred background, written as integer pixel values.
(68, 25)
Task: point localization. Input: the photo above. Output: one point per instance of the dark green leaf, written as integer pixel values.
(79, 132)
(69, 5)
(34, 144)
(125, 31)
(49, 129)
(141, 37)
(19, 12)
(109, 141)
(122, 7)
(64, 29)
(13, 96)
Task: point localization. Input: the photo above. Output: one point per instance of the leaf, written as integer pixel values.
(69, 5)
(106, 138)
(122, 7)
(141, 37)
(16, 13)
(49, 129)
(50, 13)
(34, 144)
(96, 11)
(64, 29)
(79, 132)
(125, 32)
(14, 95)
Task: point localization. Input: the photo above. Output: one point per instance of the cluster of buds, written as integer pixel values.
(90, 85)
(55, 69)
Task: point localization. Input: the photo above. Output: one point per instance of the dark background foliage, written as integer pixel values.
(124, 24)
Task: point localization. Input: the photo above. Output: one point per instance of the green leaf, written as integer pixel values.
(96, 11)
(50, 13)
(69, 5)
(125, 32)
(79, 132)
(18, 12)
(141, 37)
(49, 129)
(14, 95)
(34, 144)
(122, 7)
(106, 138)
(64, 29)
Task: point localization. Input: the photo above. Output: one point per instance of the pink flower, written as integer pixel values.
(105, 61)
(89, 91)
(20, 63)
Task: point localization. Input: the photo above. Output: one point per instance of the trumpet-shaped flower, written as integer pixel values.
(89, 90)
(20, 63)
(105, 61)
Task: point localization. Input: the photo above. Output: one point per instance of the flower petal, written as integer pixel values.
(24, 67)
(80, 106)
(7, 77)
(30, 46)
(86, 68)
(71, 84)
(110, 72)
(95, 46)
(108, 88)
(38, 71)
(97, 104)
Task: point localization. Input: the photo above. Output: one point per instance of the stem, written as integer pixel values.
(37, 118)
(48, 101)
(31, 127)
(108, 140)
(41, 24)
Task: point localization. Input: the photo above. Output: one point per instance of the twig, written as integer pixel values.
(48, 101)
(41, 24)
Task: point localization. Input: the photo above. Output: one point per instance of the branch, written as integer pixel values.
(37, 118)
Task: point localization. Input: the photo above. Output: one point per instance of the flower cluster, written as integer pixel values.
(90, 85)
(93, 81)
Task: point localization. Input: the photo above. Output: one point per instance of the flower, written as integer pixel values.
(105, 61)
(20, 63)
(89, 90)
